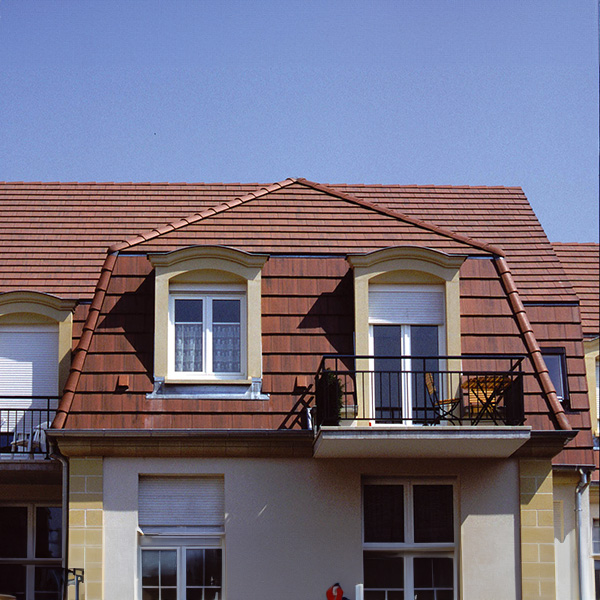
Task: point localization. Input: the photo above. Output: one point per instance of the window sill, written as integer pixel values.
(208, 390)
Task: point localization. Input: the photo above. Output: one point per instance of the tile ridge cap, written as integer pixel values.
(401, 216)
(203, 214)
(531, 344)
(85, 341)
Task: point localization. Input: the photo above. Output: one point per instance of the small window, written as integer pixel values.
(409, 540)
(208, 334)
(556, 361)
(596, 538)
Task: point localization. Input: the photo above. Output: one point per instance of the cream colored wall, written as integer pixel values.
(592, 352)
(293, 527)
(567, 585)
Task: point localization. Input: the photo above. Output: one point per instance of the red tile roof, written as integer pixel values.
(581, 263)
(54, 236)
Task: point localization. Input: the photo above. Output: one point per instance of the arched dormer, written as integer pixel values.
(36, 337)
(208, 315)
(410, 273)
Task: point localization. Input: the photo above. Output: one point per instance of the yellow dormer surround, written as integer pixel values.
(406, 265)
(207, 266)
(36, 308)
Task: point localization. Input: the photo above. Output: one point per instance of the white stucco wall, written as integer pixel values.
(293, 526)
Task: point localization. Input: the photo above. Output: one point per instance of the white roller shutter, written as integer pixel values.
(407, 305)
(194, 502)
(29, 360)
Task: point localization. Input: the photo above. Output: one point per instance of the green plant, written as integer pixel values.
(330, 398)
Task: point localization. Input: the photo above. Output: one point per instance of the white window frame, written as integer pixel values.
(407, 405)
(409, 549)
(181, 544)
(30, 562)
(207, 294)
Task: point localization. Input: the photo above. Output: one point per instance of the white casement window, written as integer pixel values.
(409, 540)
(207, 333)
(181, 549)
(30, 553)
(404, 321)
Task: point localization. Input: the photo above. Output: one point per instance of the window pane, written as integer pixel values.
(150, 567)
(372, 595)
(383, 571)
(194, 565)
(226, 311)
(188, 311)
(226, 348)
(48, 582)
(48, 523)
(188, 347)
(432, 576)
(213, 567)
(150, 594)
(12, 580)
(554, 362)
(434, 515)
(384, 513)
(13, 532)
(168, 567)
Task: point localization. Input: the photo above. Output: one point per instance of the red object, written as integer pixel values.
(335, 592)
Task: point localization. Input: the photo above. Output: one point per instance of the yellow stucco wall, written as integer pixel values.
(537, 530)
(86, 525)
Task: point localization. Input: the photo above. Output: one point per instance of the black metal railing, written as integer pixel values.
(23, 424)
(423, 390)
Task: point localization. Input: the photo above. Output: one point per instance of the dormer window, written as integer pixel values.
(208, 320)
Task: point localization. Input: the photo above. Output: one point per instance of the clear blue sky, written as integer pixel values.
(477, 92)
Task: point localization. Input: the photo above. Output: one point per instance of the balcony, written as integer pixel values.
(450, 404)
(23, 423)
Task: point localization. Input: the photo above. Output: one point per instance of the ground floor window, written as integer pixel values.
(182, 572)
(409, 540)
(182, 519)
(30, 552)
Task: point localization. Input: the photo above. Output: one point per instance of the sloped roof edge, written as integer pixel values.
(169, 227)
(413, 221)
(531, 343)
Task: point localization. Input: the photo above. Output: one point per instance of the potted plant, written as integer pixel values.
(329, 394)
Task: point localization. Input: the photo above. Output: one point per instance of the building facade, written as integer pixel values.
(260, 391)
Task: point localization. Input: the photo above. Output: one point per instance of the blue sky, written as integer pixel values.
(476, 92)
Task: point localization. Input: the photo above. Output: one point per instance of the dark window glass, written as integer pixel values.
(433, 510)
(383, 571)
(433, 573)
(384, 513)
(48, 524)
(48, 581)
(168, 567)
(12, 580)
(150, 567)
(13, 532)
(188, 311)
(373, 595)
(557, 369)
(212, 567)
(226, 311)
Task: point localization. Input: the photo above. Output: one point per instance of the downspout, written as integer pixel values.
(56, 454)
(582, 555)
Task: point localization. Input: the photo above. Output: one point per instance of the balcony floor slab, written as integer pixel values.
(419, 442)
